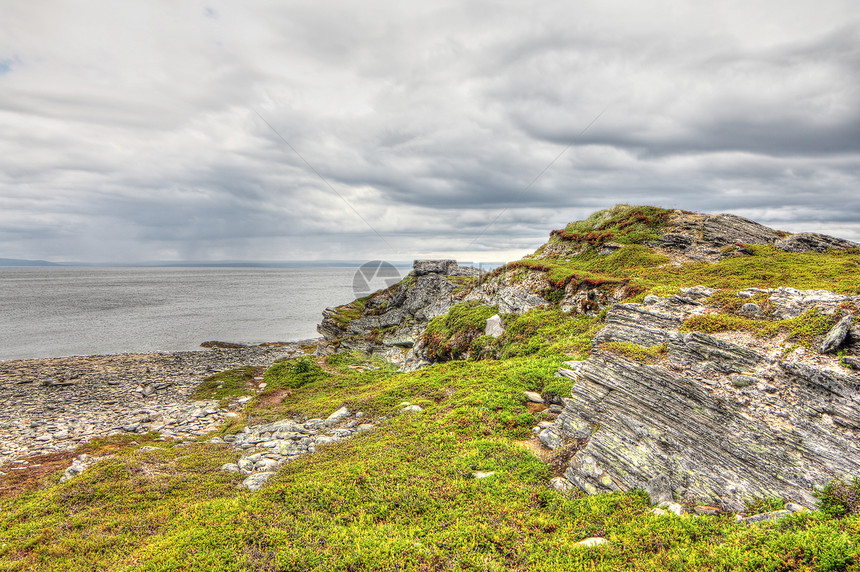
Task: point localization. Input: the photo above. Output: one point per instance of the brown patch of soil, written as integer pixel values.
(534, 445)
(20, 477)
(536, 407)
(275, 398)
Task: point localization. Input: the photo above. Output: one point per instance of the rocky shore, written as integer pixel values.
(55, 404)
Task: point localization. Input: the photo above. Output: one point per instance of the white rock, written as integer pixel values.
(482, 474)
(256, 481)
(494, 327)
(337, 416)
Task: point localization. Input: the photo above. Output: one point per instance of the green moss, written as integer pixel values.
(294, 373)
(768, 267)
(231, 383)
(548, 331)
(450, 336)
(642, 354)
(806, 329)
(624, 224)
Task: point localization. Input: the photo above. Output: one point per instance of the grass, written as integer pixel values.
(623, 224)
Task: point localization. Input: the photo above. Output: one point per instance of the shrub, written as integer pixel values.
(294, 373)
(839, 498)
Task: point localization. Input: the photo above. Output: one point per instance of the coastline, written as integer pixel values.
(53, 405)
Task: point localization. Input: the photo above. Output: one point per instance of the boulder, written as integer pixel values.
(495, 327)
(837, 335)
(422, 267)
(813, 242)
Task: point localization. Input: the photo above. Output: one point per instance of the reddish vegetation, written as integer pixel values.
(592, 237)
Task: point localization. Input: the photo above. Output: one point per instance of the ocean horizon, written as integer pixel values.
(61, 311)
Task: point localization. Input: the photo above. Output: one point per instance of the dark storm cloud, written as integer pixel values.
(133, 133)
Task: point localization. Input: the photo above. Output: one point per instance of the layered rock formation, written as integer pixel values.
(722, 417)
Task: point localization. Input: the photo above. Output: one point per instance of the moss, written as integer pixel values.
(450, 336)
(806, 329)
(231, 383)
(642, 354)
(294, 373)
(624, 224)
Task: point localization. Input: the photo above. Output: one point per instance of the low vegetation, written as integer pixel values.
(808, 327)
(642, 354)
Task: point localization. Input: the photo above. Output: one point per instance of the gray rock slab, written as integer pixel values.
(836, 336)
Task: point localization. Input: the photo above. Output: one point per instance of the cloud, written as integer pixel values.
(132, 133)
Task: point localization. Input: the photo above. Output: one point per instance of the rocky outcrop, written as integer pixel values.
(705, 237)
(710, 237)
(813, 242)
(392, 321)
(719, 419)
(265, 448)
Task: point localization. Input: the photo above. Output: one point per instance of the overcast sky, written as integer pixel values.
(138, 130)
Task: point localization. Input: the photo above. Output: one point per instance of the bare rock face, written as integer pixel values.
(392, 322)
(813, 242)
(704, 237)
(790, 427)
(422, 267)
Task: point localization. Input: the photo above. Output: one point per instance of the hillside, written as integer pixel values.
(460, 420)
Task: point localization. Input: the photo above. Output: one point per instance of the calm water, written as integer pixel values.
(52, 312)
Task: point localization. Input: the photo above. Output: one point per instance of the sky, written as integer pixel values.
(393, 130)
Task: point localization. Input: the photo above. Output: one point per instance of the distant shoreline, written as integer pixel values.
(23, 263)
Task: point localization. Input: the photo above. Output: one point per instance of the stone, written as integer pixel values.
(533, 396)
(705, 509)
(766, 516)
(813, 242)
(659, 489)
(550, 438)
(336, 417)
(494, 327)
(794, 507)
(560, 484)
(411, 409)
(852, 362)
(650, 299)
(256, 481)
(836, 336)
(591, 542)
(750, 309)
(230, 467)
(657, 511)
(673, 508)
(422, 267)
(741, 380)
(784, 437)
(697, 292)
(482, 474)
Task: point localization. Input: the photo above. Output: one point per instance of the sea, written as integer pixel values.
(69, 311)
